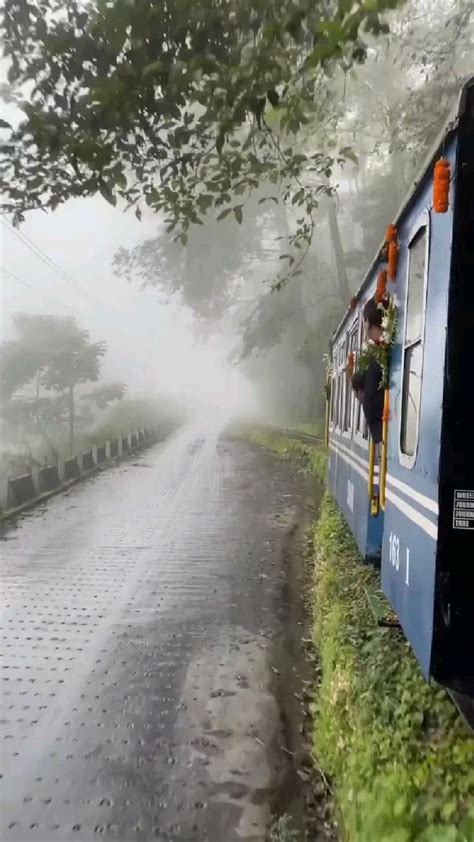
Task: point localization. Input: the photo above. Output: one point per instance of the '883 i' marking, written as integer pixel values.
(394, 556)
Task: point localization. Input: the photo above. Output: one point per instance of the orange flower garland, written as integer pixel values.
(392, 251)
(392, 260)
(391, 235)
(381, 291)
(441, 184)
(350, 364)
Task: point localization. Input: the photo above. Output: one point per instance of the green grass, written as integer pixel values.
(311, 458)
(400, 758)
(316, 428)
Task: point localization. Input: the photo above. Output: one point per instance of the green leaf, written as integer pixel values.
(273, 98)
(107, 194)
(152, 69)
(345, 6)
(220, 142)
(4, 124)
(448, 810)
(348, 152)
(224, 213)
(238, 213)
(299, 159)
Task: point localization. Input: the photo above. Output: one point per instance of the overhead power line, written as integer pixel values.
(48, 261)
(17, 278)
(35, 289)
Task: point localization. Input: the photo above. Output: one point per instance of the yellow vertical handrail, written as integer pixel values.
(371, 468)
(384, 453)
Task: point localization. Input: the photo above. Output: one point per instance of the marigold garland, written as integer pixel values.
(441, 185)
(391, 234)
(350, 364)
(392, 260)
(381, 291)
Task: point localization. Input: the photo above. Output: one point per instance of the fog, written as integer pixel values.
(152, 343)
(215, 314)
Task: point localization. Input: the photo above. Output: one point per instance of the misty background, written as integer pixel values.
(215, 322)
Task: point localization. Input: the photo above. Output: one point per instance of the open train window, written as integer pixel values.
(332, 417)
(418, 253)
(361, 427)
(340, 387)
(351, 347)
(335, 389)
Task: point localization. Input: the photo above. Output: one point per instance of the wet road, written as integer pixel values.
(139, 611)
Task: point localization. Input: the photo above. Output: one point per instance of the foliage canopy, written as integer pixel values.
(163, 103)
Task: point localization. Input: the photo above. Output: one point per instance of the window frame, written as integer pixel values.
(333, 405)
(351, 344)
(332, 398)
(340, 385)
(423, 221)
(359, 437)
(334, 389)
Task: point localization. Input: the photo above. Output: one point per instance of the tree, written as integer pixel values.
(50, 354)
(74, 361)
(165, 104)
(103, 395)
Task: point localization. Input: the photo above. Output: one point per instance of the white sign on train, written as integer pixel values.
(463, 509)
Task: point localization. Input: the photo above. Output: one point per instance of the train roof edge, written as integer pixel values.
(449, 127)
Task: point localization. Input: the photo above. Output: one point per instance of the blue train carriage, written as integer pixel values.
(353, 473)
(425, 521)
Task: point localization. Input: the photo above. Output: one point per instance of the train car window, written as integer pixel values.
(361, 423)
(349, 394)
(333, 398)
(335, 389)
(340, 385)
(413, 343)
(416, 283)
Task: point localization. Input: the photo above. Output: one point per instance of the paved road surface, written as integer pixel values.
(139, 611)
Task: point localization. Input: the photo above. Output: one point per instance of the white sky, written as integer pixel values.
(151, 343)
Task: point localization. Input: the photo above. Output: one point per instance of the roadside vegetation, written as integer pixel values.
(398, 756)
(309, 457)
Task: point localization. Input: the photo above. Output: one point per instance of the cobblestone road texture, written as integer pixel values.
(139, 611)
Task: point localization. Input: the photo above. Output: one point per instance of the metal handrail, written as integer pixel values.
(384, 453)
